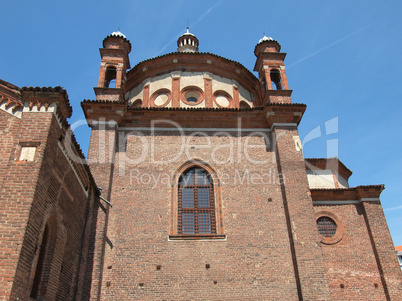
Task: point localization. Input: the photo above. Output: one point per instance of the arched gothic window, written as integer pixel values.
(196, 204)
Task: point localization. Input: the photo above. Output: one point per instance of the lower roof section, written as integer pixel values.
(340, 196)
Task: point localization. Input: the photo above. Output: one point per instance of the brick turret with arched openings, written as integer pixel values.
(114, 63)
(271, 69)
(187, 42)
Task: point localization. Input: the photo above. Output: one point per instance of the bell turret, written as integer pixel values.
(114, 63)
(187, 42)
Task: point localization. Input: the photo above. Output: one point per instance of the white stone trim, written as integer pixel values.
(370, 200)
(52, 108)
(207, 75)
(195, 129)
(72, 167)
(284, 124)
(203, 239)
(175, 74)
(108, 123)
(346, 202)
(9, 110)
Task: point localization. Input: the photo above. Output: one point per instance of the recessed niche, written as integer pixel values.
(192, 96)
(222, 101)
(161, 99)
(27, 153)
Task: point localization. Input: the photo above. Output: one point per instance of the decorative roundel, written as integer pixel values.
(223, 99)
(330, 227)
(244, 105)
(161, 98)
(326, 226)
(137, 103)
(192, 95)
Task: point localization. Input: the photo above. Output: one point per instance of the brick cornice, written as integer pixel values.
(357, 194)
(45, 96)
(286, 113)
(271, 56)
(107, 110)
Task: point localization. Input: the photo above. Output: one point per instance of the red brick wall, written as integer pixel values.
(100, 159)
(306, 251)
(255, 261)
(353, 272)
(33, 193)
(10, 233)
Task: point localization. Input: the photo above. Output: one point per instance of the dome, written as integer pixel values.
(111, 39)
(187, 42)
(118, 34)
(267, 44)
(188, 32)
(265, 38)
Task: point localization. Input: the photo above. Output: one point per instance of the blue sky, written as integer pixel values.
(344, 61)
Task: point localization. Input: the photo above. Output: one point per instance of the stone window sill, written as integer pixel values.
(198, 237)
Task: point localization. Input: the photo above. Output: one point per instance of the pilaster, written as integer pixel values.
(101, 156)
(308, 260)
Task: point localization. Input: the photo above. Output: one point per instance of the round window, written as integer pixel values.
(326, 226)
(192, 96)
(192, 99)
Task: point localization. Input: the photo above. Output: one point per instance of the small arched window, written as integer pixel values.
(110, 77)
(196, 204)
(326, 226)
(276, 79)
(42, 271)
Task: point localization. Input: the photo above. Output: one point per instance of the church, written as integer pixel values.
(194, 188)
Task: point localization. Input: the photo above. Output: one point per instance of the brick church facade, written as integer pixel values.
(205, 193)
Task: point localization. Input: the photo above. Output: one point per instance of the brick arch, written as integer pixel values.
(136, 103)
(340, 231)
(196, 163)
(44, 280)
(160, 92)
(224, 94)
(217, 195)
